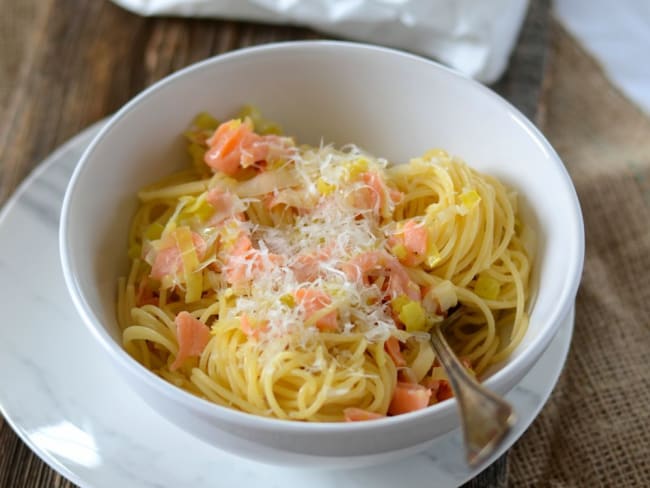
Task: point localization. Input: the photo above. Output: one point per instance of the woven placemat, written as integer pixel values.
(595, 430)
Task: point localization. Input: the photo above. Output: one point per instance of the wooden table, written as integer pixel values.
(65, 64)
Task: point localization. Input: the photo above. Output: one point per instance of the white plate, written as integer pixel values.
(59, 393)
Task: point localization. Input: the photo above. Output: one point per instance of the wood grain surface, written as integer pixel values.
(65, 64)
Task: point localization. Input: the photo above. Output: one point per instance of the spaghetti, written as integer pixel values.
(301, 282)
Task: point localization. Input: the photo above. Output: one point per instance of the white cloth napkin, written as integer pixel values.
(472, 36)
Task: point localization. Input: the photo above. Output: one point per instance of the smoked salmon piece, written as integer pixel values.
(314, 300)
(192, 335)
(409, 397)
(392, 348)
(235, 146)
(353, 414)
(169, 261)
(376, 195)
(380, 263)
(250, 327)
(244, 261)
(409, 244)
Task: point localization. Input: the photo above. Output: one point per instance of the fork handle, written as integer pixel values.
(486, 418)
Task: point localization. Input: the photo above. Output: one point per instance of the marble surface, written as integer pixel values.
(61, 396)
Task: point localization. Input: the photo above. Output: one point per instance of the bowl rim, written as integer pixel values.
(523, 362)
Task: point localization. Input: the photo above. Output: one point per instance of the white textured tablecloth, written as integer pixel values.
(618, 35)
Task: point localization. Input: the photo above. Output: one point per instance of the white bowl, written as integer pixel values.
(393, 104)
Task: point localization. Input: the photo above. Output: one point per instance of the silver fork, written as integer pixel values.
(486, 418)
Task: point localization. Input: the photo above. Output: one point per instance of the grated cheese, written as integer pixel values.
(330, 230)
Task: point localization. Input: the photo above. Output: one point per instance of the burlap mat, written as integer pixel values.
(595, 430)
